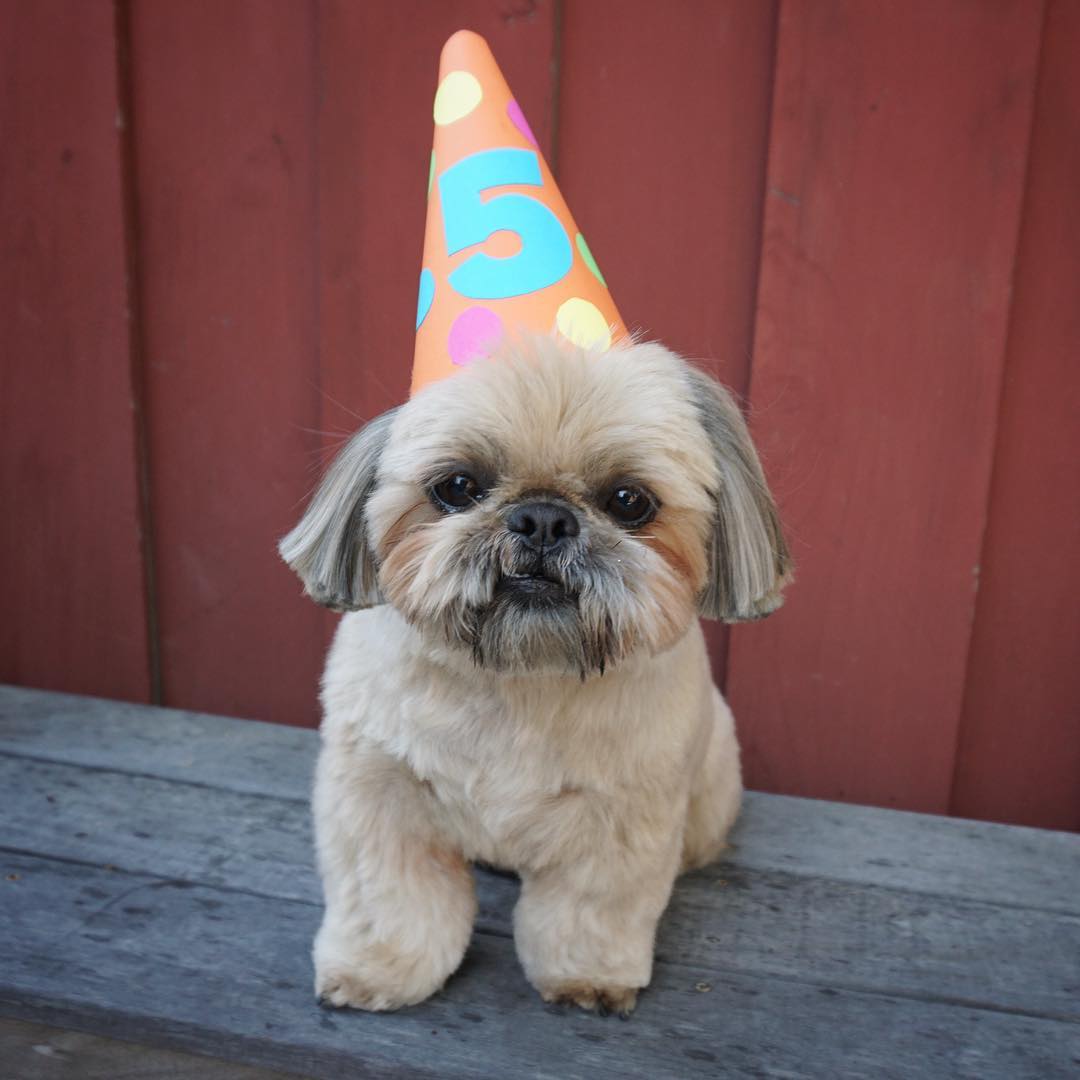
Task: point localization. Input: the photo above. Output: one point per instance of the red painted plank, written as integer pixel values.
(225, 134)
(662, 139)
(663, 131)
(895, 177)
(379, 70)
(1019, 754)
(71, 575)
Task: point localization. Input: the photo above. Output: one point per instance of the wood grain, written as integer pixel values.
(72, 592)
(36, 1052)
(962, 859)
(1018, 757)
(178, 912)
(800, 924)
(895, 182)
(224, 106)
(226, 974)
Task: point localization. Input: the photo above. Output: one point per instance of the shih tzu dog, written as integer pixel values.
(524, 550)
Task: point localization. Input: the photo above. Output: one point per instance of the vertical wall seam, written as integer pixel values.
(135, 333)
(555, 76)
(1018, 239)
(758, 269)
(327, 624)
(722, 650)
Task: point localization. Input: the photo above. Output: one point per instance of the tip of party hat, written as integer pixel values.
(460, 44)
(502, 252)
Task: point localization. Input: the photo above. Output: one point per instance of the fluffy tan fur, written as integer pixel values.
(581, 744)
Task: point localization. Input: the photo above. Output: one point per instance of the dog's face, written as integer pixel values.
(550, 510)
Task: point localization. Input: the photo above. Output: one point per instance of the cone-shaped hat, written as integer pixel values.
(501, 250)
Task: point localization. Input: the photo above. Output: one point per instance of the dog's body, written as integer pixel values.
(536, 694)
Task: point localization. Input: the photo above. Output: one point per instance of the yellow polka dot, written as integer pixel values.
(458, 94)
(583, 323)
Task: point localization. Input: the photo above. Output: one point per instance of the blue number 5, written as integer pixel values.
(545, 256)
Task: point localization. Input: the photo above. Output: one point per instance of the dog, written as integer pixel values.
(524, 550)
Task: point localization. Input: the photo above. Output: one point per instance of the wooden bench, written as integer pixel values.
(157, 888)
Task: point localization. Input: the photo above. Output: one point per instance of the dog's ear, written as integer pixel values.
(749, 564)
(330, 548)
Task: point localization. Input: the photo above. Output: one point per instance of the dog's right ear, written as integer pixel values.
(330, 549)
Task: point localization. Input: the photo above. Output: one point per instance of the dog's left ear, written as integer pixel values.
(749, 564)
(330, 549)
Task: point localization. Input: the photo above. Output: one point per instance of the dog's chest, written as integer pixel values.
(501, 776)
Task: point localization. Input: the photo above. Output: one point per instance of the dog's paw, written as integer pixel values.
(346, 990)
(376, 979)
(603, 1000)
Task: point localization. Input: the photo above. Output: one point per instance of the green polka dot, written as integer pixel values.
(431, 174)
(590, 262)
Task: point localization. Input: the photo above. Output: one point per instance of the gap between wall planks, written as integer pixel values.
(663, 135)
(72, 597)
(224, 163)
(1018, 757)
(895, 181)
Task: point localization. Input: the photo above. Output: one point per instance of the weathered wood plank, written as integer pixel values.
(1018, 757)
(72, 586)
(240, 755)
(727, 918)
(1000, 864)
(36, 1052)
(225, 136)
(895, 181)
(226, 973)
(991, 863)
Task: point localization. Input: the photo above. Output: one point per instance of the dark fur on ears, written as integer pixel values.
(330, 548)
(749, 564)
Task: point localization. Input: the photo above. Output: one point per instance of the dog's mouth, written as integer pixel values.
(531, 584)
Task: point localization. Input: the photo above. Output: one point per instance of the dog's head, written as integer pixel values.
(550, 509)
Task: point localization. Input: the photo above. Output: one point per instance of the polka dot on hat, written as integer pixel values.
(474, 333)
(426, 296)
(587, 258)
(517, 118)
(583, 323)
(458, 94)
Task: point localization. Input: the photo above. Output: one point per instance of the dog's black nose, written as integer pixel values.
(543, 525)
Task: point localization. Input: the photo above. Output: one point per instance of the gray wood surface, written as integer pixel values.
(998, 863)
(157, 886)
(36, 1052)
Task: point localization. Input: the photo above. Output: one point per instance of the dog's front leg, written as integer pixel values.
(585, 929)
(400, 900)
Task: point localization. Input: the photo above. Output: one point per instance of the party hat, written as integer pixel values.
(501, 250)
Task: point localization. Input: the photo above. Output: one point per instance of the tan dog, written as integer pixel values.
(534, 540)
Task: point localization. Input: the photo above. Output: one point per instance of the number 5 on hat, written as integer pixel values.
(545, 256)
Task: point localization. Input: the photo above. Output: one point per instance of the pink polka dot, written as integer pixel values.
(475, 332)
(517, 118)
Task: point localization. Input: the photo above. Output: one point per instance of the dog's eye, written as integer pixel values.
(457, 492)
(630, 505)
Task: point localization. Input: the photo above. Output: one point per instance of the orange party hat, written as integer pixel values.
(501, 250)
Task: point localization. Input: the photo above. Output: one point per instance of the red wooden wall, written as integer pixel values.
(860, 216)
